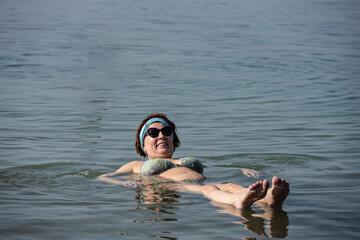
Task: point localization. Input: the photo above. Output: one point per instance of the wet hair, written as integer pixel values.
(138, 147)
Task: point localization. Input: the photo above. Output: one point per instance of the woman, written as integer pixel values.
(157, 140)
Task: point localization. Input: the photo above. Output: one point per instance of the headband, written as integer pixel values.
(146, 126)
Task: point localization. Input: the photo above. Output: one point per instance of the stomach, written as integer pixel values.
(182, 174)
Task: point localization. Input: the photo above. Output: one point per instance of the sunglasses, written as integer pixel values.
(154, 132)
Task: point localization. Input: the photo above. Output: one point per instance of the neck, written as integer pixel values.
(164, 157)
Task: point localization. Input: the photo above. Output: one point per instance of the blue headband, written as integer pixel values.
(146, 126)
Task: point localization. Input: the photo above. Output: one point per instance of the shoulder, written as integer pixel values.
(137, 166)
(189, 159)
(131, 167)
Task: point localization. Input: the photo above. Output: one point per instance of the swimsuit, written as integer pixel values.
(157, 166)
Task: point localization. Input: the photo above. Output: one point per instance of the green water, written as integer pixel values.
(268, 85)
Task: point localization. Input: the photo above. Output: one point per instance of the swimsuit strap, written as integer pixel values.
(192, 163)
(156, 166)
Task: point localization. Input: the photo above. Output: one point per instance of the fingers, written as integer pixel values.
(252, 173)
(132, 184)
(257, 174)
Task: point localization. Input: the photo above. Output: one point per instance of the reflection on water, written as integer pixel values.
(161, 199)
(158, 200)
(276, 219)
(156, 194)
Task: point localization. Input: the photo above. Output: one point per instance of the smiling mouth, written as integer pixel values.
(162, 144)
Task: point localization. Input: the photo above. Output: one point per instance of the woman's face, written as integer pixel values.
(158, 147)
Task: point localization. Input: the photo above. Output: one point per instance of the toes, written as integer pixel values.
(275, 180)
(266, 184)
(255, 185)
(284, 182)
(259, 184)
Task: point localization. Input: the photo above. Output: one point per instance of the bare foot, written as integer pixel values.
(254, 193)
(278, 193)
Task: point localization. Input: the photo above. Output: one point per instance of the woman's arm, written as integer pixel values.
(132, 167)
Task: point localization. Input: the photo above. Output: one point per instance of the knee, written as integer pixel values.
(231, 185)
(209, 188)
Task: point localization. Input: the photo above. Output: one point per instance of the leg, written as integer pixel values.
(232, 188)
(239, 200)
(278, 193)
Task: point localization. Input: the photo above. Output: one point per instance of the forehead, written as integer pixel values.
(158, 125)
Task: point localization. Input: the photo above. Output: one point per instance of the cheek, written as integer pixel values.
(147, 143)
(172, 144)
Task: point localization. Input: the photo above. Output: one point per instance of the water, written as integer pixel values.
(268, 85)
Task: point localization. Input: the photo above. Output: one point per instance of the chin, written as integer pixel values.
(166, 154)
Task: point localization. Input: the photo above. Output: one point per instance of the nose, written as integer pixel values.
(161, 135)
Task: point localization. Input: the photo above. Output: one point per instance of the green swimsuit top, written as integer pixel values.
(157, 166)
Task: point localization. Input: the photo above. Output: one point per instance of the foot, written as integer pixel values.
(278, 193)
(254, 193)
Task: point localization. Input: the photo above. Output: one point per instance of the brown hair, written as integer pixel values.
(176, 140)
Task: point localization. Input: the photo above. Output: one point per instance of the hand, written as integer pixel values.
(131, 183)
(251, 173)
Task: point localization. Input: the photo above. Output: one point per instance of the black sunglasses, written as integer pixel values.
(154, 132)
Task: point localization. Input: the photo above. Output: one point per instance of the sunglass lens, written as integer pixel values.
(153, 132)
(167, 131)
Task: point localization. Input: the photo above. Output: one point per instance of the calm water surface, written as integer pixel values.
(268, 85)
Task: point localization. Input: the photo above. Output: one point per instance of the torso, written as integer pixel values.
(158, 166)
